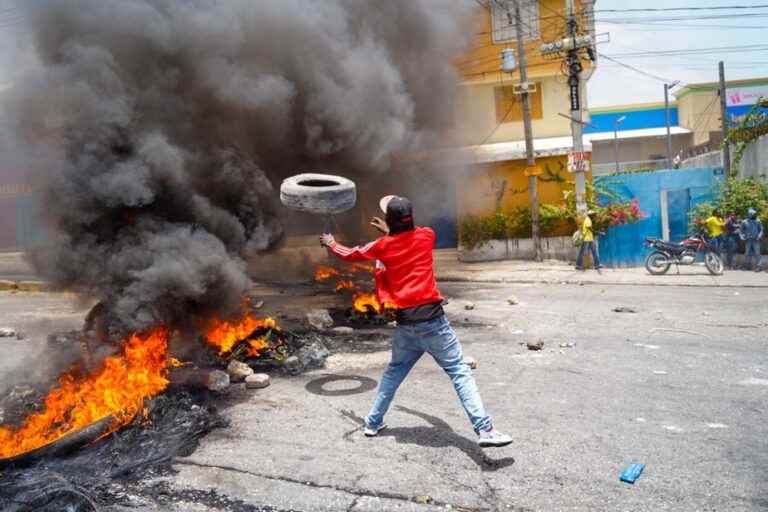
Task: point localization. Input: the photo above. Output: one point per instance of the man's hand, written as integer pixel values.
(380, 224)
(327, 240)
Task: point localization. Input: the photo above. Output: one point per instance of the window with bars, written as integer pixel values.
(503, 20)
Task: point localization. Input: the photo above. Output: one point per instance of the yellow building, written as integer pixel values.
(490, 124)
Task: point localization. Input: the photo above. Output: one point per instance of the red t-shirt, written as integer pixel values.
(404, 271)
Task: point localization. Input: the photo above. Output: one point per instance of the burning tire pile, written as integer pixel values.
(60, 441)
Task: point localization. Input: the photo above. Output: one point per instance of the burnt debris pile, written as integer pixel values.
(101, 475)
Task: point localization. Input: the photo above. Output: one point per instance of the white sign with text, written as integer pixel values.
(740, 96)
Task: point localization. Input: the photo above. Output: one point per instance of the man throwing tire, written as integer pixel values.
(405, 277)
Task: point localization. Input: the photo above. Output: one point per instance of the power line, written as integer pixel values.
(694, 51)
(637, 20)
(678, 26)
(666, 9)
(636, 70)
(704, 116)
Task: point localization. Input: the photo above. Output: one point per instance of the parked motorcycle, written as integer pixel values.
(683, 253)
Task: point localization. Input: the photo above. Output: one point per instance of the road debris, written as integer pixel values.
(512, 300)
(292, 365)
(423, 500)
(535, 345)
(624, 309)
(631, 473)
(238, 371)
(199, 378)
(469, 306)
(257, 381)
(7, 332)
(471, 361)
(312, 355)
(320, 319)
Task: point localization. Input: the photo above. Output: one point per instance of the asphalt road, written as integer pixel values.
(680, 385)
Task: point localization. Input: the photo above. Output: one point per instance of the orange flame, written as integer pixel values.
(325, 273)
(225, 335)
(256, 346)
(118, 389)
(344, 284)
(364, 302)
(362, 267)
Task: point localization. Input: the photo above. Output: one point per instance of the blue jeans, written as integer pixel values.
(435, 337)
(731, 245)
(717, 243)
(592, 246)
(753, 249)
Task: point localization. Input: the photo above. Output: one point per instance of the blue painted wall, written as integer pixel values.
(635, 120)
(734, 113)
(648, 118)
(623, 246)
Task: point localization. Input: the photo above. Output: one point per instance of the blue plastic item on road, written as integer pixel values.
(632, 472)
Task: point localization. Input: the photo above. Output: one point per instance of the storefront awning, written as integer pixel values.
(503, 151)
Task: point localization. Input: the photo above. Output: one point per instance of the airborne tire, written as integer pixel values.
(318, 193)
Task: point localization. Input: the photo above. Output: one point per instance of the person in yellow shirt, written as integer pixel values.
(715, 225)
(588, 242)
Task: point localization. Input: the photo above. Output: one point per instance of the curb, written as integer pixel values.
(24, 286)
(459, 279)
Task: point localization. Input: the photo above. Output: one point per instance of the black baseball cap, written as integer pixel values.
(399, 213)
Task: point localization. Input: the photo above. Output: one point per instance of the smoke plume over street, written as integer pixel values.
(160, 129)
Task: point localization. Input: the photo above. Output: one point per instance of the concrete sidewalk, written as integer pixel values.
(449, 268)
(15, 273)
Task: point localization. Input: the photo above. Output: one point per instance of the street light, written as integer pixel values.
(667, 88)
(616, 124)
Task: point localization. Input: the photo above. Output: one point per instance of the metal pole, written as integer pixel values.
(574, 83)
(724, 116)
(616, 144)
(530, 159)
(669, 133)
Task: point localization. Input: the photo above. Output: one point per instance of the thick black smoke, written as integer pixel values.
(162, 125)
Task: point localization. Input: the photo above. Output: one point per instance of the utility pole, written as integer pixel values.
(530, 159)
(724, 116)
(667, 88)
(574, 72)
(669, 133)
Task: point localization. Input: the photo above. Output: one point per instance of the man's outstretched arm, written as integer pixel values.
(357, 253)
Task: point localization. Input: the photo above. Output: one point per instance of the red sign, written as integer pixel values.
(578, 161)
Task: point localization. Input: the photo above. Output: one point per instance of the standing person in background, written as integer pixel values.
(715, 225)
(731, 241)
(588, 243)
(752, 234)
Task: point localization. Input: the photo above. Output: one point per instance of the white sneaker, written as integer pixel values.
(493, 439)
(373, 432)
